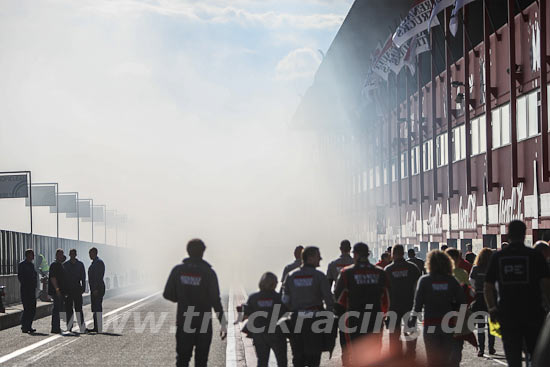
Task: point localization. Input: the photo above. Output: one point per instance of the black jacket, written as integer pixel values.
(27, 276)
(194, 283)
(96, 272)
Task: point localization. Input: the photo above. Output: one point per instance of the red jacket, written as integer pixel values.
(465, 265)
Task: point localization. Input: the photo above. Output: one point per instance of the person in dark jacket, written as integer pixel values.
(96, 272)
(415, 260)
(56, 289)
(521, 279)
(194, 286)
(477, 280)
(360, 289)
(259, 309)
(76, 285)
(28, 278)
(293, 265)
(306, 292)
(403, 276)
(437, 294)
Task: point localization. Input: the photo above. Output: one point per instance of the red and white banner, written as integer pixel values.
(415, 22)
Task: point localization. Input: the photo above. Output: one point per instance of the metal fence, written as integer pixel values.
(14, 244)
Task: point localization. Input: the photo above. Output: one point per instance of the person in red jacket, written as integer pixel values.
(385, 260)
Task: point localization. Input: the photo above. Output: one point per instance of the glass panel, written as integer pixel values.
(533, 113)
(522, 117)
(482, 134)
(505, 124)
(474, 127)
(495, 118)
(445, 149)
(462, 141)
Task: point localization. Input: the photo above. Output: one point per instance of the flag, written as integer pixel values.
(13, 186)
(42, 195)
(438, 7)
(372, 81)
(381, 65)
(66, 203)
(84, 210)
(98, 215)
(416, 21)
(453, 23)
(418, 44)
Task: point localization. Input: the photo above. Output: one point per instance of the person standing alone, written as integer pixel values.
(96, 272)
(28, 279)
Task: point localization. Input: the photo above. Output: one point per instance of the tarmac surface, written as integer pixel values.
(139, 331)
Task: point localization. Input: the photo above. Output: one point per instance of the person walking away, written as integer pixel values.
(304, 292)
(385, 260)
(76, 285)
(96, 272)
(437, 294)
(268, 302)
(56, 289)
(521, 279)
(335, 266)
(470, 256)
(544, 249)
(360, 289)
(403, 276)
(415, 260)
(293, 265)
(477, 279)
(194, 286)
(28, 279)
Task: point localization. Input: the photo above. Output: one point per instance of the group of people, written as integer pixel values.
(66, 284)
(510, 286)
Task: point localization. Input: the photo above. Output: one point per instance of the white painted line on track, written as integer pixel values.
(26, 349)
(498, 361)
(230, 349)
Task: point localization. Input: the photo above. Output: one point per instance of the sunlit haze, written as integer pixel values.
(178, 114)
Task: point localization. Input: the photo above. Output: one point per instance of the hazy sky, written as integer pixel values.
(175, 112)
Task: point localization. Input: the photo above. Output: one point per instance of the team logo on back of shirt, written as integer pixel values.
(515, 269)
(366, 278)
(265, 302)
(303, 281)
(440, 286)
(190, 279)
(400, 273)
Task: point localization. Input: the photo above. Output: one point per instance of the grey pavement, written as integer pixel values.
(143, 334)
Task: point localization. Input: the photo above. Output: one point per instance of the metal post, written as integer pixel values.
(389, 172)
(450, 186)
(92, 213)
(436, 194)
(409, 136)
(543, 91)
(467, 122)
(57, 213)
(420, 128)
(398, 164)
(77, 218)
(488, 89)
(30, 200)
(513, 91)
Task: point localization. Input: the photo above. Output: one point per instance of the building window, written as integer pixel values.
(479, 135)
(527, 115)
(459, 143)
(428, 157)
(385, 173)
(364, 180)
(377, 176)
(404, 167)
(501, 126)
(442, 151)
(393, 172)
(415, 160)
(371, 178)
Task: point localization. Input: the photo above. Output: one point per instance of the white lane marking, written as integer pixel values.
(498, 361)
(26, 349)
(230, 350)
(49, 351)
